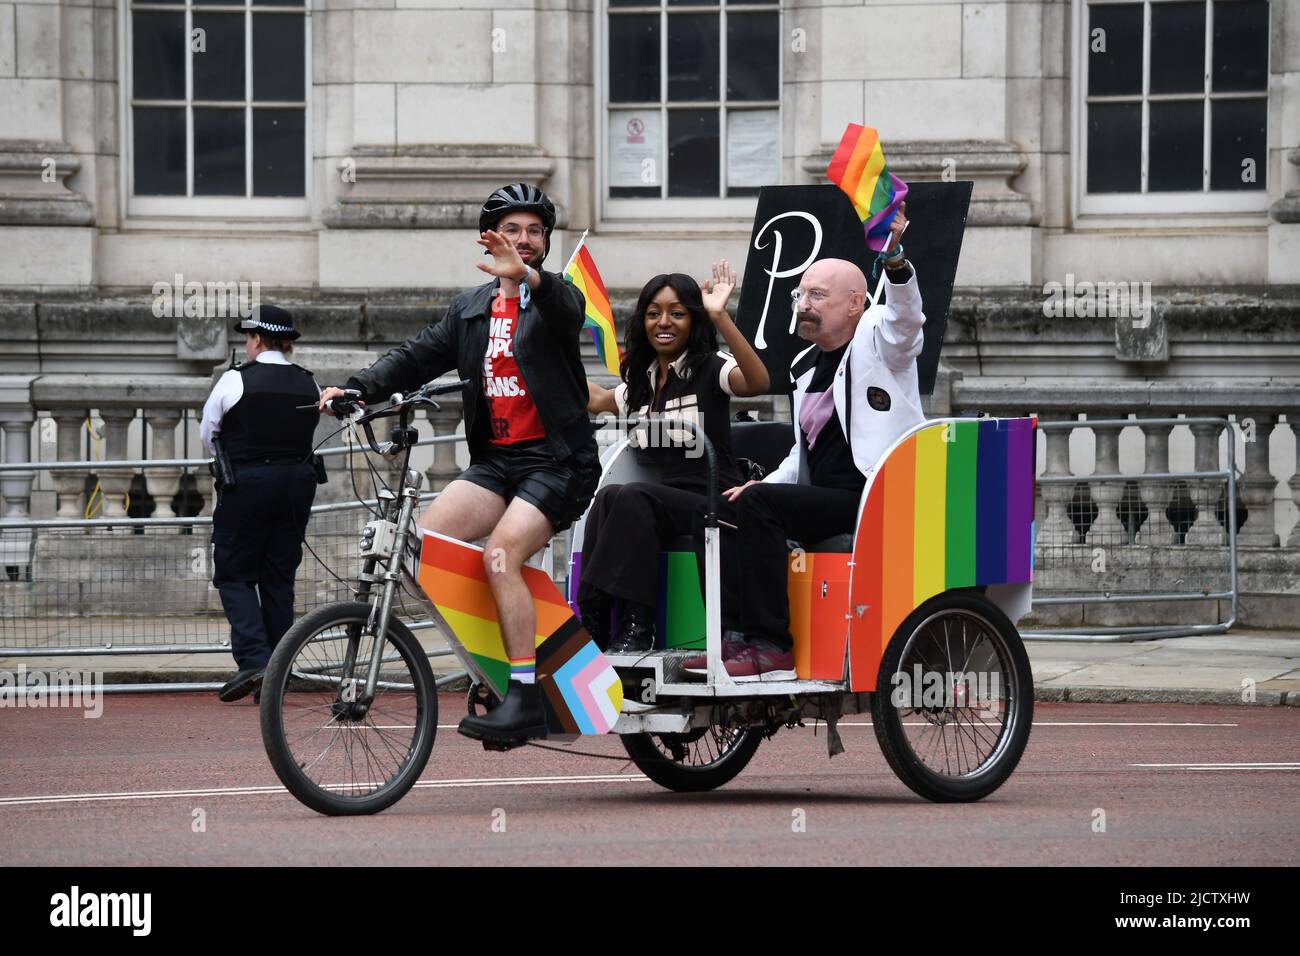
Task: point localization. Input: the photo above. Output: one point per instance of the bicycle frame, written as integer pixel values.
(584, 692)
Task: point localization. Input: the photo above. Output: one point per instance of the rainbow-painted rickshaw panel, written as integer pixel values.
(952, 506)
(582, 692)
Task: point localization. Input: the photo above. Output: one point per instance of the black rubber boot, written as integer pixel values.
(595, 618)
(636, 632)
(518, 718)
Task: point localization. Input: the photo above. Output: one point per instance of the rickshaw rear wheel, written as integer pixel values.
(702, 759)
(942, 743)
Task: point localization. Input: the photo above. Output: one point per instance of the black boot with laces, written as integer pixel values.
(636, 631)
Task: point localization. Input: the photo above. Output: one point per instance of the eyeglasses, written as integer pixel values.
(513, 231)
(816, 296)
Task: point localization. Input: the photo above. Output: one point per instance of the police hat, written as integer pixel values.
(270, 319)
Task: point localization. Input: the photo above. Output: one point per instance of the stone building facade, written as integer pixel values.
(336, 154)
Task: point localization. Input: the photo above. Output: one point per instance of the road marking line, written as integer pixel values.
(273, 790)
(1239, 765)
(1075, 723)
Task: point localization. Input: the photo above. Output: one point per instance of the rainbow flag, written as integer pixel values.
(858, 168)
(582, 272)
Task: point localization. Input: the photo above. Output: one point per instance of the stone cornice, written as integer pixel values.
(29, 197)
(427, 187)
(1287, 209)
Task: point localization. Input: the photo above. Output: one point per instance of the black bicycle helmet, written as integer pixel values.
(518, 197)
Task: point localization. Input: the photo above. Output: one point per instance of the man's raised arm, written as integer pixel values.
(414, 362)
(898, 336)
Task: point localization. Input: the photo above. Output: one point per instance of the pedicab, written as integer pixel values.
(910, 620)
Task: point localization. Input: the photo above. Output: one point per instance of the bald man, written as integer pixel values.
(855, 393)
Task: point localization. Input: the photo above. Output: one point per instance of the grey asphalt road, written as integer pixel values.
(181, 779)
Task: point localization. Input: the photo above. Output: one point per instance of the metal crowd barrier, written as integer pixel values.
(1139, 540)
(128, 591)
(144, 586)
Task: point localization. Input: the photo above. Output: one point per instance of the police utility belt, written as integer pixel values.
(223, 470)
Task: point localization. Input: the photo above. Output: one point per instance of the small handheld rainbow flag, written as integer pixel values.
(582, 272)
(858, 168)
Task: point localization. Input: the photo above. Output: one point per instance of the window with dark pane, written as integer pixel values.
(1177, 47)
(1175, 150)
(158, 146)
(278, 57)
(634, 58)
(1240, 54)
(687, 37)
(219, 66)
(753, 56)
(1238, 141)
(1114, 147)
(232, 148)
(693, 57)
(278, 152)
(1114, 45)
(693, 153)
(219, 162)
(158, 55)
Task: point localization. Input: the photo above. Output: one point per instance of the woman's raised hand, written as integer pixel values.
(718, 288)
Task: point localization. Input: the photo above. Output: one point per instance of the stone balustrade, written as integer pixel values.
(119, 400)
(1256, 408)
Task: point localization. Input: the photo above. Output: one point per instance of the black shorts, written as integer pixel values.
(561, 490)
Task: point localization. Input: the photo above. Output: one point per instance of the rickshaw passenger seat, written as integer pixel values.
(764, 442)
(836, 544)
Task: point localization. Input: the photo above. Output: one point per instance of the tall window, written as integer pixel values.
(218, 105)
(1176, 97)
(692, 97)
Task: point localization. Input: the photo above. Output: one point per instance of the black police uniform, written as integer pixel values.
(258, 525)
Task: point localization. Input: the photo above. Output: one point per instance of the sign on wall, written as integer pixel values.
(635, 142)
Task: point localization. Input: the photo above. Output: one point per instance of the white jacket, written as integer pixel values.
(882, 355)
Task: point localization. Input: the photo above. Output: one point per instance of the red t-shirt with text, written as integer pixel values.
(511, 411)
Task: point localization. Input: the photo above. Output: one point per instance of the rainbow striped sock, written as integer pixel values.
(524, 669)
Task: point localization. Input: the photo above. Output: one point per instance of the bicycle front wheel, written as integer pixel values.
(335, 749)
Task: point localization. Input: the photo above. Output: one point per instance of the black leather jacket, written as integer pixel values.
(545, 346)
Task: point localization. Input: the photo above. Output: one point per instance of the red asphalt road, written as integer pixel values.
(572, 809)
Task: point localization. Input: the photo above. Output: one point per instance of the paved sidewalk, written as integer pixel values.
(1226, 669)
(1240, 667)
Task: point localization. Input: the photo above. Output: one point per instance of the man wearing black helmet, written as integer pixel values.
(256, 412)
(534, 464)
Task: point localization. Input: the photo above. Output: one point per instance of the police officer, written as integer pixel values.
(257, 529)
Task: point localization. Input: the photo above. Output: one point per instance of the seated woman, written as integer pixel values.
(672, 371)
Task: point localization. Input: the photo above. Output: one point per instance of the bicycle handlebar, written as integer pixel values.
(399, 404)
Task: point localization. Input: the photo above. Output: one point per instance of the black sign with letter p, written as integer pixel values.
(797, 225)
